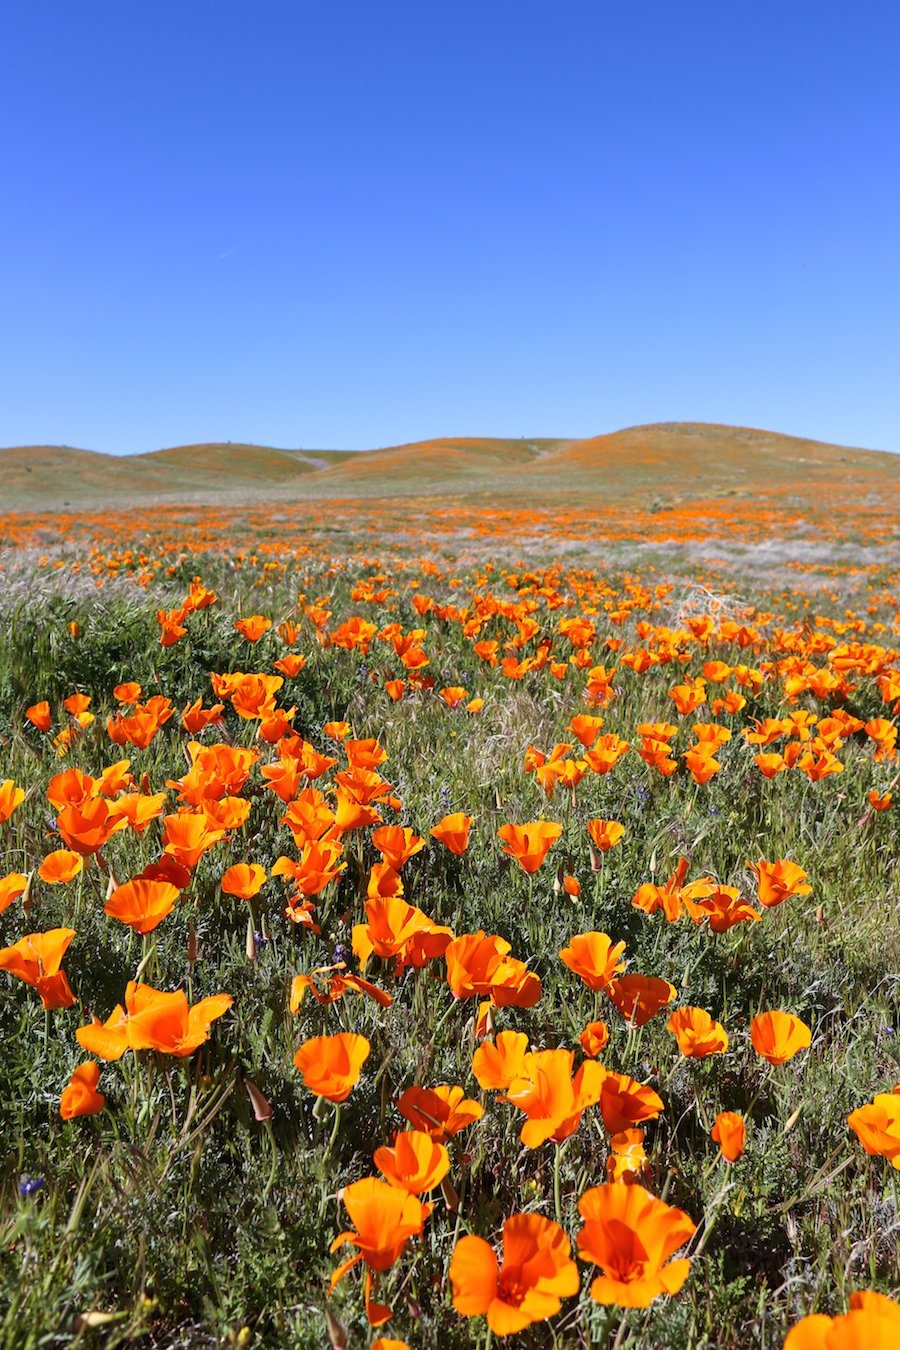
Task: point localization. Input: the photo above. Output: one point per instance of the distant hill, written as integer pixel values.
(668, 462)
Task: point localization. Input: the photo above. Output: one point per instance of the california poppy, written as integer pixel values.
(872, 1323)
(729, 1132)
(81, 1097)
(552, 1099)
(536, 1274)
(10, 797)
(529, 844)
(453, 832)
(605, 833)
(624, 1102)
(441, 1111)
(697, 1034)
(496, 1065)
(779, 880)
(331, 1065)
(778, 1036)
(631, 1235)
(877, 1126)
(384, 1218)
(416, 1163)
(142, 904)
(60, 867)
(11, 887)
(243, 880)
(153, 1020)
(628, 1160)
(640, 997)
(36, 960)
(594, 958)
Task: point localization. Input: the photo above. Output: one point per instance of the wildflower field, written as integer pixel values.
(430, 924)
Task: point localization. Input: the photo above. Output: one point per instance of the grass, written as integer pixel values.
(175, 1218)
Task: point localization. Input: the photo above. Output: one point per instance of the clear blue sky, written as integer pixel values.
(352, 223)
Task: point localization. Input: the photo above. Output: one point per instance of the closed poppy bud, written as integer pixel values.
(262, 1110)
(729, 1132)
(594, 1039)
(81, 1097)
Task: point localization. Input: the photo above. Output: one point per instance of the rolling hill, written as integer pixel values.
(664, 462)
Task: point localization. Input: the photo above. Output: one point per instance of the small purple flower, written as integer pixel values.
(340, 952)
(29, 1186)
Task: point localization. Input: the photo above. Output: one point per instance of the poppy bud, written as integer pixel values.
(251, 941)
(337, 1336)
(111, 886)
(596, 859)
(448, 1191)
(192, 944)
(26, 894)
(262, 1110)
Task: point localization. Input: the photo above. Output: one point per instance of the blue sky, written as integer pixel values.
(348, 224)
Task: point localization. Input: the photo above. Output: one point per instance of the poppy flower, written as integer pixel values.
(877, 1126)
(331, 1065)
(339, 981)
(594, 1039)
(479, 965)
(441, 1111)
(10, 797)
(384, 1218)
(453, 832)
(594, 958)
(529, 844)
(880, 801)
(81, 1097)
(39, 715)
(631, 1235)
(778, 880)
(872, 1323)
(778, 1036)
(392, 925)
(253, 627)
(397, 844)
(496, 1065)
(723, 907)
(36, 960)
(142, 904)
(153, 1020)
(290, 665)
(552, 1099)
(243, 880)
(624, 1102)
(85, 828)
(127, 693)
(605, 833)
(640, 997)
(11, 887)
(606, 753)
(586, 728)
(139, 808)
(697, 1034)
(60, 867)
(536, 1274)
(628, 1161)
(188, 835)
(670, 898)
(416, 1163)
(729, 1132)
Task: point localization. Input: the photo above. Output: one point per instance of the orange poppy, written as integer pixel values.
(188, 835)
(877, 1126)
(872, 1323)
(605, 833)
(11, 887)
(39, 715)
(586, 728)
(142, 904)
(36, 960)
(670, 898)
(551, 1097)
(60, 867)
(480, 965)
(640, 997)
(397, 844)
(453, 832)
(153, 1020)
(529, 844)
(10, 797)
(594, 958)
(594, 1039)
(697, 1034)
(290, 665)
(496, 1065)
(631, 1235)
(441, 1111)
(778, 880)
(253, 627)
(81, 1097)
(536, 1274)
(89, 825)
(139, 809)
(625, 1102)
(723, 907)
(339, 981)
(778, 1036)
(416, 1163)
(628, 1161)
(331, 1065)
(729, 1132)
(243, 880)
(384, 1218)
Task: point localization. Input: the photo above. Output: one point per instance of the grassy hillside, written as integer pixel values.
(671, 462)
